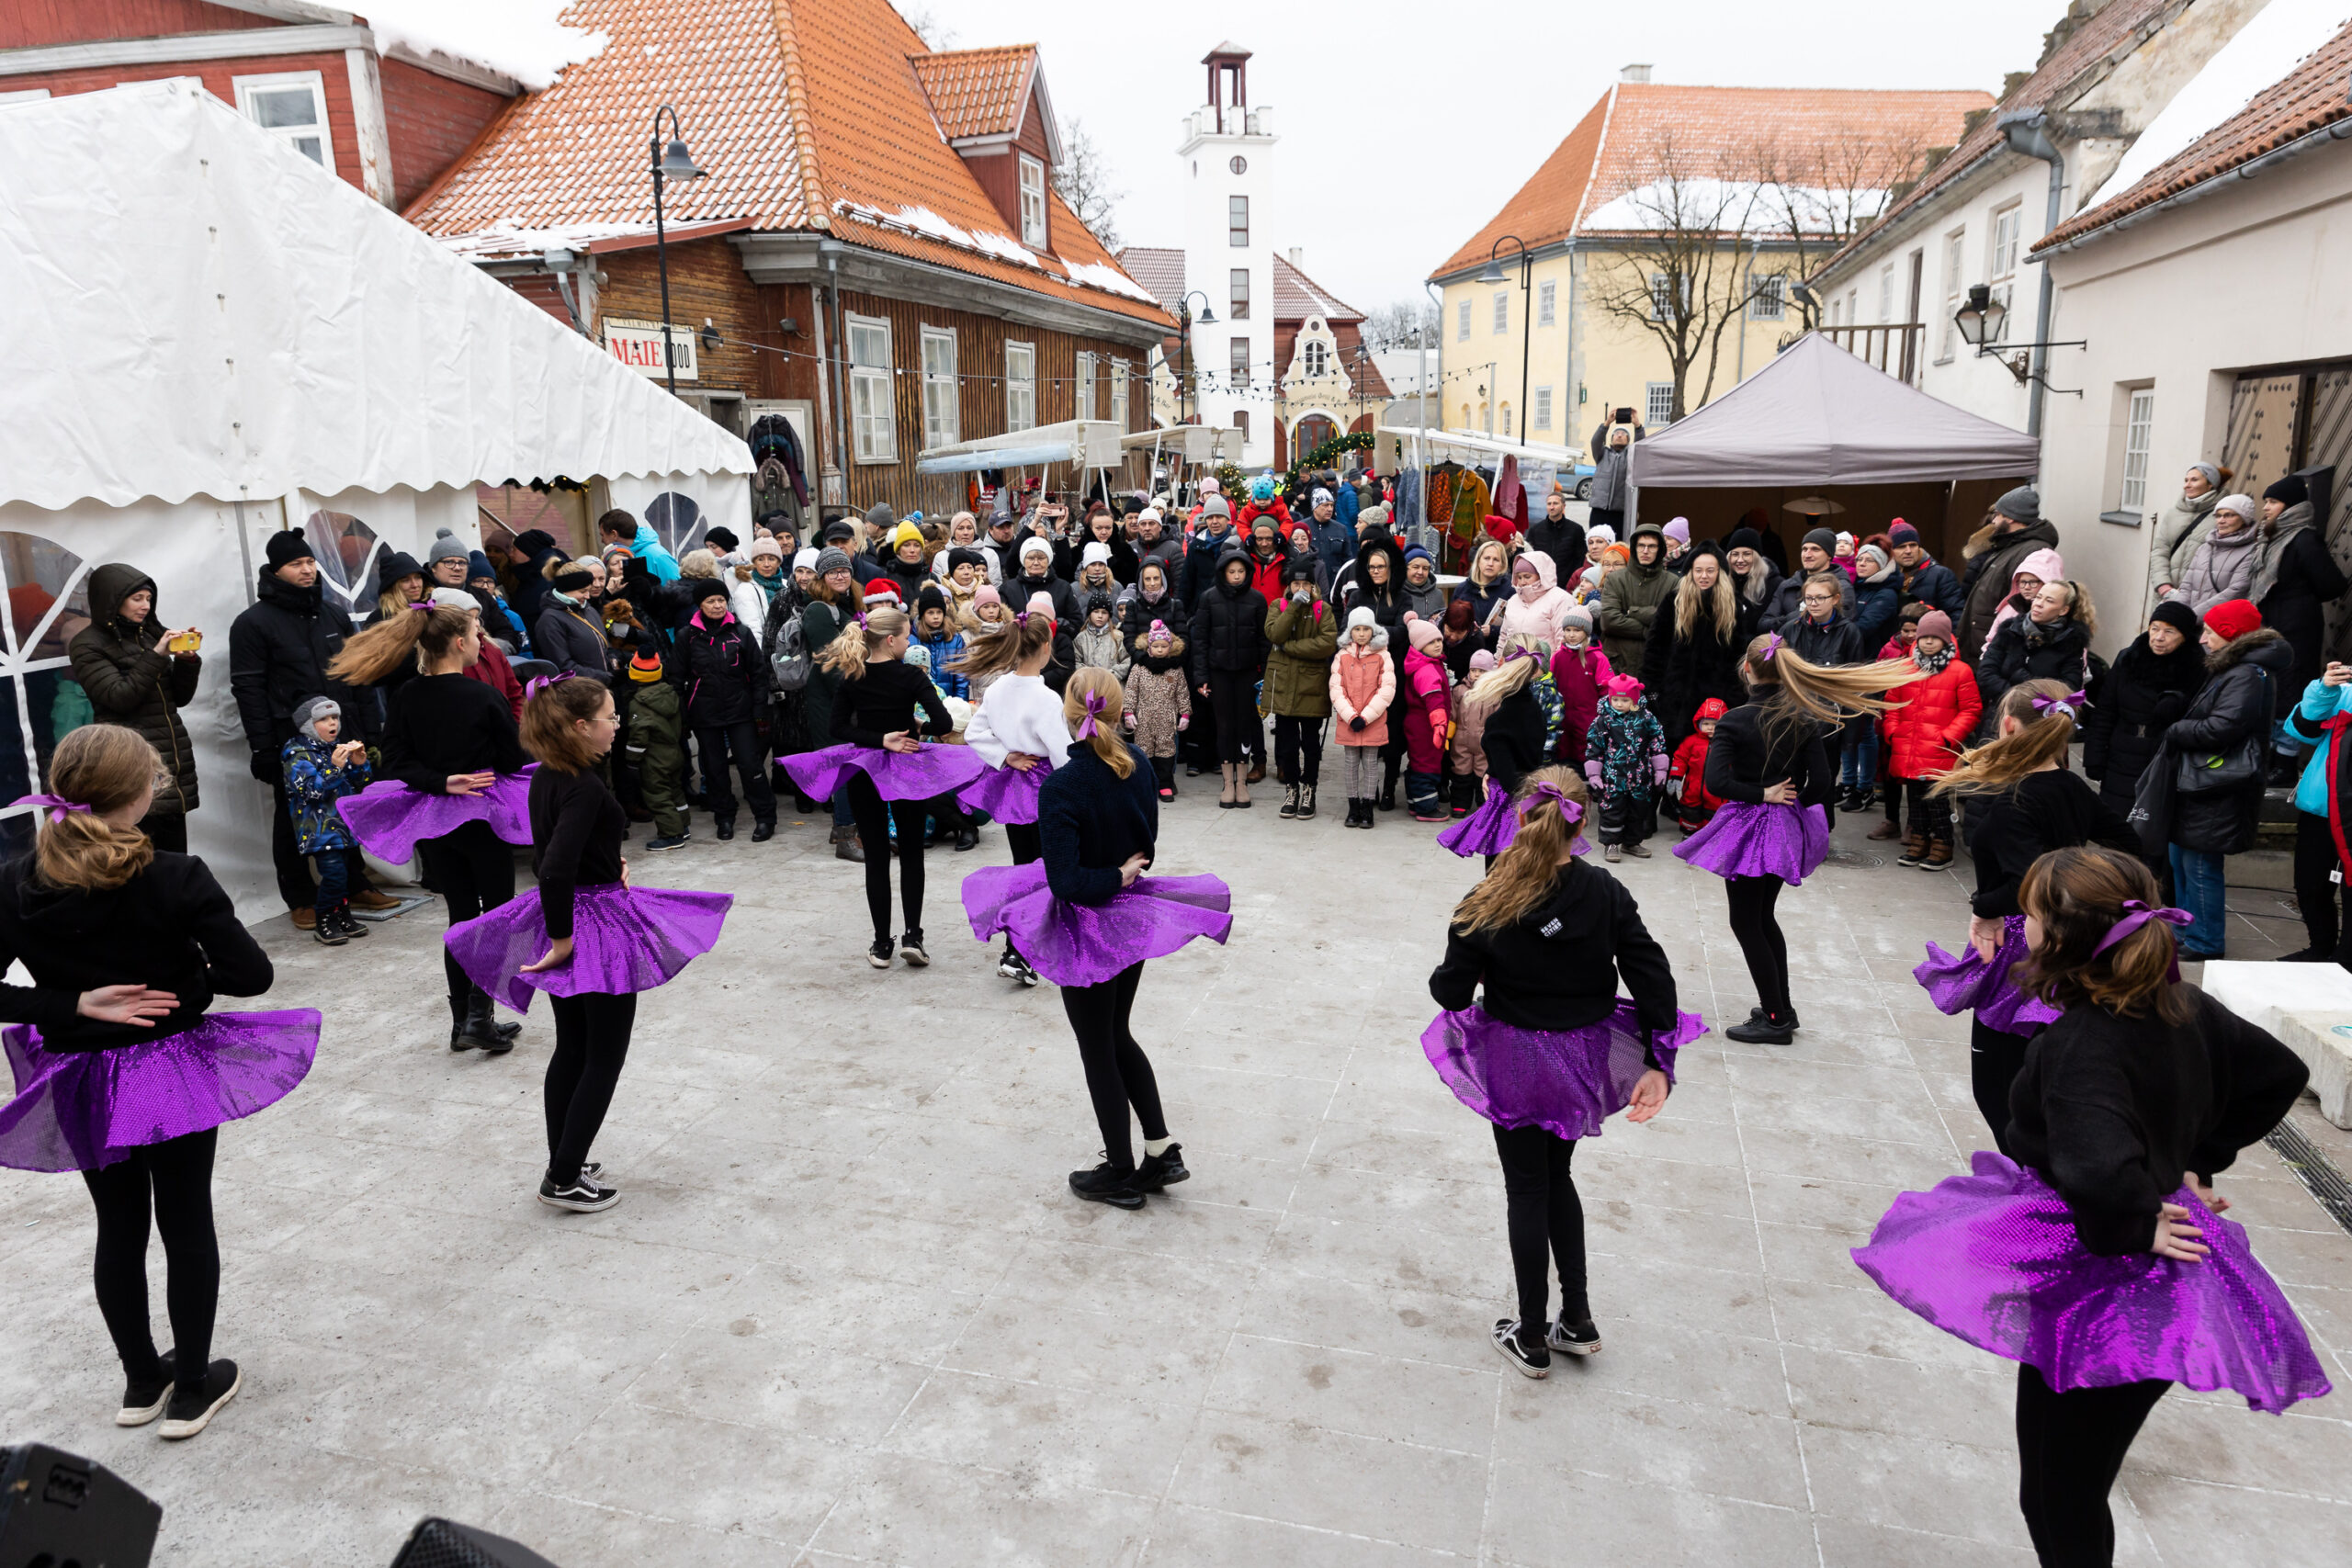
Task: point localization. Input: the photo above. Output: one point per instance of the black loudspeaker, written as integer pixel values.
(59, 1511)
(443, 1543)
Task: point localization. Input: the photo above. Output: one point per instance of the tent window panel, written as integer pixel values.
(940, 420)
(41, 586)
(1019, 385)
(2139, 429)
(873, 421)
(292, 108)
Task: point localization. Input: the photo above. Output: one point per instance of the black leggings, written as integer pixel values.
(2315, 895)
(473, 869)
(1546, 1222)
(1117, 1072)
(1995, 1059)
(1760, 941)
(1027, 849)
(2070, 1449)
(874, 816)
(1298, 748)
(590, 1045)
(1233, 697)
(173, 1179)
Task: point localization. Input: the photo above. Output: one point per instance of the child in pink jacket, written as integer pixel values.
(1580, 673)
(1467, 754)
(1363, 683)
(1425, 686)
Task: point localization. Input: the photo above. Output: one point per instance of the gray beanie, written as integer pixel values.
(309, 711)
(446, 547)
(832, 559)
(879, 515)
(1214, 506)
(1826, 538)
(2022, 504)
(2212, 475)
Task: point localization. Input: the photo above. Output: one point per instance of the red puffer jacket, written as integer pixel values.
(1939, 714)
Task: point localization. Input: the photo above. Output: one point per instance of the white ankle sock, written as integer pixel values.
(1157, 1146)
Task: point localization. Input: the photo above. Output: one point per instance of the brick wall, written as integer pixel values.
(27, 24)
(220, 80)
(429, 119)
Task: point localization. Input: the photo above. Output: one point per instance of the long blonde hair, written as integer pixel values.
(1109, 694)
(1525, 873)
(1502, 574)
(105, 767)
(1504, 680)
(1721, 602)
(394, 598)
(1002, 653)
(1795, 690)
(2034, 745)
(399, 639)
(847, 655)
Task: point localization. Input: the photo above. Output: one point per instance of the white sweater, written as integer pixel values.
(1020, 713)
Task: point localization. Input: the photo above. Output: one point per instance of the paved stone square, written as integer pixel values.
(846, 1311)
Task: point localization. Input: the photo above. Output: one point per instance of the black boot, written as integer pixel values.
(507, 1031)
(724, 827)
(478, 1030)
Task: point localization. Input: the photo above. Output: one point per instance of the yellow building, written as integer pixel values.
(1652, 261)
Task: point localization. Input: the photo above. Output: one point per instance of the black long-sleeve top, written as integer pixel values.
(1747, 755)
(576, 827)
(1090, 820)
(2113, 1112)
(2009, 831)
(882, 701)
(1556, 966)
(171, 927)
(1513, 740)
(442, 725)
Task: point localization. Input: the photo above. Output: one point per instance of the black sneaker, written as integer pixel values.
(911, 948)
(193, 1407)
(1529, 1356)
(585, 1196)
(879, 953)
(1574, 1338)
(762, 831)
(1758, 1015)
(349, 924)
(1768, 1030)
(725, 828)
(143, 1402)
(1162, 1170)
(1104, 1185)
(328, 932)
(966, 838)
(669, 842)
(1009, 966)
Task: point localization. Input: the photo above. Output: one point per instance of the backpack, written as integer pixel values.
(788, 658)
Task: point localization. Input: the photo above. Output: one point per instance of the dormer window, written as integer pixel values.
(1033, 202)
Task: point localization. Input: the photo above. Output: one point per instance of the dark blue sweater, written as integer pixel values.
(1090, 820)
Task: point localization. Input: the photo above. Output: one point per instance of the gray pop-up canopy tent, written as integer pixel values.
(1820, 424)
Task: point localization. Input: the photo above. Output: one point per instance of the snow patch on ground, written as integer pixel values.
(521, 38)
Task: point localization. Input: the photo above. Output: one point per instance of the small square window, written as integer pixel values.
(293, 108)
(1770, 302)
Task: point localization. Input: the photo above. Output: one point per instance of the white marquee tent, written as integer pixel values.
(214, 339)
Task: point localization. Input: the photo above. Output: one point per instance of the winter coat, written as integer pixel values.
(2235, 703)
(278, 652)
(1689, 770)
(1388, 602)
(1069, 558)
(2143, 695)
(531, 586)
(1538, 619)
(1020, 587)
(1425, 711)
(2024, 649)
(2303, 580)
(1228, 632)
(1467, 750)
(2220, 567)
(1200, 565)
(1363, 682)
(1691, 670)
(1929, 583)
(1992, 561)
(312, 787)
(821, 622)
(1157, 697)
(1555, 712)
(1169, 551)
(1579, 675)
(1429, 601)
(1877, 600)
(1624, 746)
(2042, 566)
(1137, 614)
(2183, 527)
(571, 637)
(1513, 740)
(1935, 716)
(721, 670)
(2313, 722)
(749, 599)
(1786, 601)
(1102, 651)
(1611, 486)
(132, 683)
(942, 651)
(1335, 542)
(1836, 641)
(1629, 601)
(1303, 639)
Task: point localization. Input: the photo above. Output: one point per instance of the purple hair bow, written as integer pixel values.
(423, 604)
(1570, 812)
(538, 683)
(1519, 653)
(57, 806)
(1086, 731)
(2139, 914)
(1772, 645)
(2073, 703)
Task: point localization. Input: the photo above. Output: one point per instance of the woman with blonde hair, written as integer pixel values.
(401, 582)
(1694, 645)
(1767, 764)
(1534, 1039)
(1089, 919)
(121, 1071)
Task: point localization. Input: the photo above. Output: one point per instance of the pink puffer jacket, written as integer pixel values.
(1363, 682)
(1537, 619)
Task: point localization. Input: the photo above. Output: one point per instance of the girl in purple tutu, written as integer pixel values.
(1017, 730)
(451, 751)
(1767, 765)
(2099, 1260)
(121, 1075)
(1548, 1051)
(2024, 802)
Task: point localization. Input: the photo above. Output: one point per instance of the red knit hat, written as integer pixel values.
(2232, 618)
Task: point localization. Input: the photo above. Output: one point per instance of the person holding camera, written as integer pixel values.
(1612, 487)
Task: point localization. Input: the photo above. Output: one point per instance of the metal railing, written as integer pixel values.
(1892, 346)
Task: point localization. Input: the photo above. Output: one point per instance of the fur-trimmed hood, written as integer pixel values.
(2239, 649)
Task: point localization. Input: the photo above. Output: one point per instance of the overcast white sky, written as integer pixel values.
(1378, 177)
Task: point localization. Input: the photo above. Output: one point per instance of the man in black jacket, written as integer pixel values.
(722, 679)
(1994, 554)
(1557, 534)
(278, 653)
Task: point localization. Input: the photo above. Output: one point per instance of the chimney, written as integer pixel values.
(1297, 253)
(1634, 74)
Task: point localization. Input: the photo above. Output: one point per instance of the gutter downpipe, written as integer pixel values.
(834, 353)
(2027, 133)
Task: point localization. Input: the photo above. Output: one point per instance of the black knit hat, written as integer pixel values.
(929, 598)
(721, 538)
(1826, 538)
(1746, 540)
(2289, 492)
(1301, 568)
(531, 541)
(2177, 616)
(287, 546)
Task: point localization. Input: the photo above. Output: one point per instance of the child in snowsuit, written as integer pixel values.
(1625, 762)
(1467, 754)
(942, 644)
(320, 771)
(1363, 683)
(1097, 644)
(1686, 780)
(1580, 673)
(1424, 696)
(1159, 702)
(656, 748)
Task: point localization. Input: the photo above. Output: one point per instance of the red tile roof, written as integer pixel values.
(978, 91)
(806, 115)
(1870, 138)
(2309, 98)
(1297, 296)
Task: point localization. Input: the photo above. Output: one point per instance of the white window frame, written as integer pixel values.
(874, 414)
(1502, 309)
(1547, 294)
(1462, 321)
(1033, 202)
(2139, 431)
(1543, 408)
(1119, 393)
(942, 418)
(1661, 290)
(1955, 269)
(2001, 243)
(247, 86)
(1506, 413)
(1768, 298)
(1657, 404)
(1886, 292)
(1236, 363)
(1233, 205)
(1019, 385)
(1084, 375)
(1315, 355)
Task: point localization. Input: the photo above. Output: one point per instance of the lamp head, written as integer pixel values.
(1981, 318)
(1493, 273)
(1207, 317)
(677, 163)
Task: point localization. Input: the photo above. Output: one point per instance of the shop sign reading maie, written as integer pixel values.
(637, 345)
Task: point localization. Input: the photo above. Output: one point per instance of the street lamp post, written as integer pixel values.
(1982, 319)
(1494, 274)
(1207, 318)
(671, 162)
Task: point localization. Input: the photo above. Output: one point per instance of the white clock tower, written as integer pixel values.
(1228, 149)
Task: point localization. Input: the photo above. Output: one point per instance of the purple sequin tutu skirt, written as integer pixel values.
(1490, 830)
(1749, 839)
(1993, 1258)
(933, 771)
(1565, 1081)
(1008, 794)
(623, 939)
(1968, 983)
(84, 1109)
(388, 817)
(1085, 944)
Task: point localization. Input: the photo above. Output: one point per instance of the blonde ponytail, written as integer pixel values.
(1506, 680)
(848, 653)
(1525, 873)
(1002, 652)
(2038, 740)
(105, 767)
(1795, 690)
(1109, 696)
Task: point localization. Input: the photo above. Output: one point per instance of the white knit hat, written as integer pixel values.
(1097, 552)
(806, 557)
(1034, 545)
(766, 547)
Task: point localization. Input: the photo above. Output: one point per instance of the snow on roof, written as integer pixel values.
(1741, 205)
(522, 38)
(932, 226)
(1108, 277)
(2263, 51)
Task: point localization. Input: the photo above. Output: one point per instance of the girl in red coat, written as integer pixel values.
(1934, 716)
(1580, 673)
(1686, 779)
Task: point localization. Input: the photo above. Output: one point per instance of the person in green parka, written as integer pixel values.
(656, 749)
(1306, 637)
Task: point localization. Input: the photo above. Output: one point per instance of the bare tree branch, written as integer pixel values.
(1400, 323)
(1083, 181)
(937, 35)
